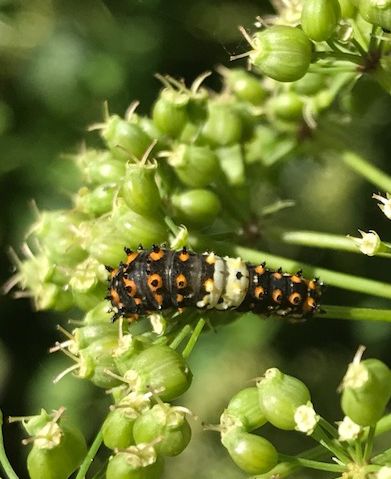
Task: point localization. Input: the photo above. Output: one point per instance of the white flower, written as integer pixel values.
(384, 473)
(306, 418)
(385, 204)
(369, 244)
(348, 430)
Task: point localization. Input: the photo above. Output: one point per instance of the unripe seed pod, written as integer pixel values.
(33, 424)
(162, 369)
(98, 315)
(232, 163)
(195, 166)
(99, 167)
(57, 453)
(117, 429)
(245, 406)
(51, 296)
(282, 53)
(253, 454)
(319, 18)
(310, 84)
(139, 189)
(125, 138)
(164, 423)
(375, 14)
(127, 350)
(197, 207)
(86, 335)
(96, 202)
(224, 124)
(169, 113)
(366, 391)
(245, 86)
(137, 462)
(280, 395)
(348, 8)
(88, 283)
(286, 106)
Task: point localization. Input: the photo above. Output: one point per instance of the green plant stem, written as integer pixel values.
(328, 427)
(185, 331)
(333, 446)
(285, 469)
(365, 169)
(193, 338)
(5, 464)
(90, 456)
(341, 56)
(326, 241)
(321, 466)
(369, 443)
(382, 458)
(356, 314)
(332, 278)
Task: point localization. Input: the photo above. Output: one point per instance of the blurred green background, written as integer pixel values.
(58, 62)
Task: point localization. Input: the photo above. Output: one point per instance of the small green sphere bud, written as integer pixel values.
(139, 189)
(86, 335)
(198, 207)
(166, 423)
(56, 453)
(195, 166)
(310, 84)
(348, 8)
(376, 14)
(136, 462)
(160, 369)
(287, 106)
(125, 138)
(282, 53)
(117, 429)
(252, 453)
(280, 395)
(96, 202)
(99, 167)
(366, 390)
(245, 406)
(224, 124)
(319, 18)
(170, 112)
(245, 86)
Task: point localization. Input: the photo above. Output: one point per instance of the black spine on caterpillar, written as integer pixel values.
(160, 279)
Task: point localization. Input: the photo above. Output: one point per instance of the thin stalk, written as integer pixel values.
(328, 427)
(320, 466)
(332, 278)
(326, 241)
(341, 56)
(383, 458)
(365, 169)
(193, 339)
(185, 331)
(356, 314)
(369, 443)
(5, 464)
(333, 446)
(326, 70)
(90, 456)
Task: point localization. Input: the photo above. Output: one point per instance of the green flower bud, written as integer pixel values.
(139, 189)
(160, 369)
(286, 106)
(366, 390)
(98, 201)
(86, 335)
(50, 296)
(280, 395)
(319, 18)
(244, 86)
(137, 462)
(57, 233)
(170, 112)
(197, 207)
(348, 8)
(57, 452)
(375, 14)
(99, 314)
(117, 429)
(138, 229)
(310, 84)
(99, 167)
(125, 138)
(224, 124)
(245, 406)
(195, 166)
(252, 453)
(282, 53)
(167, 426)
(88, 283)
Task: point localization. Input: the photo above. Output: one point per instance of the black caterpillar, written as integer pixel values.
(160, 278)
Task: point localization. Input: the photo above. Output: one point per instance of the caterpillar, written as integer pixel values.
(160, 279)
